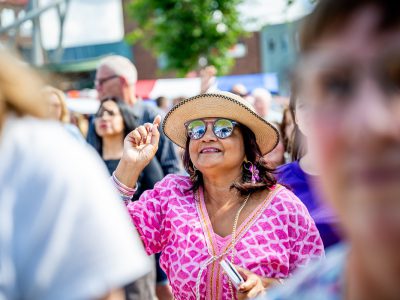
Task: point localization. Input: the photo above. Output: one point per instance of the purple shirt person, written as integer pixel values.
(302, 185)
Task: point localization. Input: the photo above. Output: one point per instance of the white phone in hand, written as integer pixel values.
(232, 273)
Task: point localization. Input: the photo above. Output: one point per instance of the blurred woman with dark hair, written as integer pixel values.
(113, 121)
(229, 208)
(302, 174)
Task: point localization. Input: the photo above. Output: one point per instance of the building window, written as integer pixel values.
(271, 45)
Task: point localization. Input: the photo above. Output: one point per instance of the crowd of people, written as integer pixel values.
(303, 200)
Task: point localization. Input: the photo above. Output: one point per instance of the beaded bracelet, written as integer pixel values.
(125, 192)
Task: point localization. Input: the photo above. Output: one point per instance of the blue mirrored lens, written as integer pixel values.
(196, 129)
(223, 128)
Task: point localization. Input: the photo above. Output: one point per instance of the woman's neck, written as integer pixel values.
(113, 147)
(218, 188)
(308, 165)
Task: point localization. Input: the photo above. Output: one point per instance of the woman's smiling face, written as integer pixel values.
(210, 152)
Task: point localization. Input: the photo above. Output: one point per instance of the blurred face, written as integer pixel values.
(108, 84)
(261, 106)
(109, 120)
(55, 108)
(210, 153)
(352, 87)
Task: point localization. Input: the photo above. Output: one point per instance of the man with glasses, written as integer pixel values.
(116, 77)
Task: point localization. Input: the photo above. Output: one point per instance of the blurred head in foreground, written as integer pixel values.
(41, 190)
(349, 79)
(19, 89)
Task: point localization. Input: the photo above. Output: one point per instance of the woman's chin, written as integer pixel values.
(106, 133)
(207, 168)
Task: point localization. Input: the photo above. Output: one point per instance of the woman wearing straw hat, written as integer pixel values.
(230, 206)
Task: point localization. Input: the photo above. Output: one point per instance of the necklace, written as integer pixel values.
(234, 237)
(231, 248)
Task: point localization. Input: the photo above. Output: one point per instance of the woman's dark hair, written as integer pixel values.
(253, 155)
(129, 119)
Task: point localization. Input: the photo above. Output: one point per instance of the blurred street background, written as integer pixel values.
(65, 39)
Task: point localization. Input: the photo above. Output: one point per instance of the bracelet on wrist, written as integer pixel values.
(125, 192)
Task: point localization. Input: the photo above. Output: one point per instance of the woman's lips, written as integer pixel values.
(210, 150)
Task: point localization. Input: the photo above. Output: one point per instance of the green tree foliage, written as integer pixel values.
(187, 33)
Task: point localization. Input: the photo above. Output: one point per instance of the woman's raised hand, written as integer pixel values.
(141, 144)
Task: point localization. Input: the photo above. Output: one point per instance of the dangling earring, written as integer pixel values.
(249, 166)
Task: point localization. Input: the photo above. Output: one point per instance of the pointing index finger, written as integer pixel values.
(157, 120)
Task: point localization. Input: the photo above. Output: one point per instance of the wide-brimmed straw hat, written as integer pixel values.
(218, 105)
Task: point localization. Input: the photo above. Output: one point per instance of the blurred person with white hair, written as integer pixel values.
(116, 77)
(240, 90)
(262, 102)
(55, 238)
(263, 105)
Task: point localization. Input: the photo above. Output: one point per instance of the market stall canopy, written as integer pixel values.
(187, 87)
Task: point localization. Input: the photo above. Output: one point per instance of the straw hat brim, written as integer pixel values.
(218, 106)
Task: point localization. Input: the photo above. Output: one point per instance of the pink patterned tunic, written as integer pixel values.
(273, 241)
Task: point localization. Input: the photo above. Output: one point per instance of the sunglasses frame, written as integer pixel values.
(100, 114)
(234, 124)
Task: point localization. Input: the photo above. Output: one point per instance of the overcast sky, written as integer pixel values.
(100, 21)
(257, 13)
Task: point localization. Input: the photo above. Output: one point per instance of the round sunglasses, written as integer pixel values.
(222, 128)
